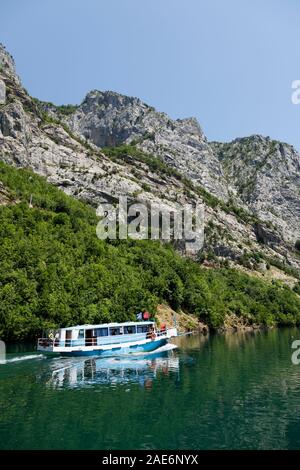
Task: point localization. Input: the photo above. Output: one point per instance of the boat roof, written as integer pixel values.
(107, 325)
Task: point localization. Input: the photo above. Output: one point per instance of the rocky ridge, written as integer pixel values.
(64, 145)
(257, 173)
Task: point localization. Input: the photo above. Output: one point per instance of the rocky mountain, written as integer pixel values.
(110, 119)
(258, 173)
(250, 187)
(264, 176)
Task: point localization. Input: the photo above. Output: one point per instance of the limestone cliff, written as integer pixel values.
(250, 187)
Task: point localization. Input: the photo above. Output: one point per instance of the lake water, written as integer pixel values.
(233, 391)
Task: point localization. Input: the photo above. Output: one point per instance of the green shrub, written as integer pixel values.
(54, 271)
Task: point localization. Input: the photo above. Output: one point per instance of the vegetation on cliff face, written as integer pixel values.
(126, 153)
(158, 161)
(54, 271)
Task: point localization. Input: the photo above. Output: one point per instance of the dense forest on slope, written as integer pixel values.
(54, 271)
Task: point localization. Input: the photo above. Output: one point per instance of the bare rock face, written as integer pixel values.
(264, 175)
(257, 173)
(109, 119)
(2, 92)
(7, 64)
(64, 144)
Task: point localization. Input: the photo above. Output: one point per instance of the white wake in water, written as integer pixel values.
(23, 358)
(165, 348)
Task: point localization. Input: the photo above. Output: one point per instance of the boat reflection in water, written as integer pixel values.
(112, 371)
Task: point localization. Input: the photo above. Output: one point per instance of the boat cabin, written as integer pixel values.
(94, 335)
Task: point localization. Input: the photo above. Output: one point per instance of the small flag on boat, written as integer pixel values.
(139, 316)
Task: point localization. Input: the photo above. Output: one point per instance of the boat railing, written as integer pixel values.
(99, 340)
(47, 342)
(161, 333)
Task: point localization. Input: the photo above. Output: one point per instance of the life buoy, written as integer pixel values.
(153, 336)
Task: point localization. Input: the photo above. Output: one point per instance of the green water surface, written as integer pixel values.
(233, 391)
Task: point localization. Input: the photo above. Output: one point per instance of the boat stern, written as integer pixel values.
(171, 332)
(45, 345)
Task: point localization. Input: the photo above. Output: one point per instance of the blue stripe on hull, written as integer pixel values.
(147, 347)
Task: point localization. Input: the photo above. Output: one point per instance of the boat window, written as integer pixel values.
(142, 328)
(80, 334)
(68, 334)
(129, 329)
(68, 338)
(101, 332)
(115, 331)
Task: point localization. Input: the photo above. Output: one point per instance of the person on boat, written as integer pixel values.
(151, 332)
(139, 316)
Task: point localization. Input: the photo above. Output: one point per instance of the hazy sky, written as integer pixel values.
(229, 63)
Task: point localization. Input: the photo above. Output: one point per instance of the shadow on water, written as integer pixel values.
(231, 391)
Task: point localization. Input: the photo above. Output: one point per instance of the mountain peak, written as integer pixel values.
(7, 64)
(6, 60)
(111, 98)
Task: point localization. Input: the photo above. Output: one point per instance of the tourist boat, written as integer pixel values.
(108, 339)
